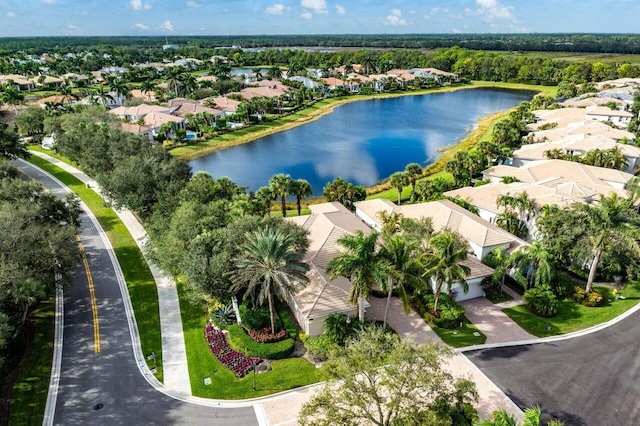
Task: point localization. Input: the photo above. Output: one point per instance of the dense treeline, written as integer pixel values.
(588, 43)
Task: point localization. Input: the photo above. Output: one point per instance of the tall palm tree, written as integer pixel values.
(390, 221)
(442, 262)
(265, 195)
(67, 92)
(362, 264)
(612, 221)
(535, 264)
(147, 87)
(280, 184)
(498, 259)
(274, 73)
(119, 87)
(269, 266)
(102, 95)
(398, 180)
(301, 188)
(404, 268)
(414, 172)
(10, 95)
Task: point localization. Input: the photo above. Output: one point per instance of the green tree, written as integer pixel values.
(301, 188)
(10, 95)
(532, 417)
(414, 172)
(269, 267)
(443, 262)
(361, 263)
(280, 185)
(10, 146)
(404, 269)
(381, 379)
(534, 265)
(612, 221)
(398, 180)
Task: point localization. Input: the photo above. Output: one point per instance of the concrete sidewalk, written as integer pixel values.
(174, 354)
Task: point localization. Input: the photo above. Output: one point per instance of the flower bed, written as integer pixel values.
(233, 360)
(265, 336)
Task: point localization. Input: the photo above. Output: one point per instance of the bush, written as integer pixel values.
(541, 302)
(449, 315)
(339, 327)
(242, 342)
(265, 335)
(321, 346)
(257, 318)
(224, 315)
(594, 298)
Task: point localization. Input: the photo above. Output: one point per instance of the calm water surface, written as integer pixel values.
(363, 142)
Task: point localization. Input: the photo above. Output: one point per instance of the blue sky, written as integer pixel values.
(250, 17)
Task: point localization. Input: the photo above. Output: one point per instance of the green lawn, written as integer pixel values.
(462, 336)
(286, 374)
(29, 393)
(573, 317)
(140, 282)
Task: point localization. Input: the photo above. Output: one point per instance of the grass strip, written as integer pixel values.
(461, 336)
(140, 282)
(29, 392)
(285, 374)
(574, 317)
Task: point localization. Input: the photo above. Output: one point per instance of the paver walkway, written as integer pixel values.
(414, 327)
(494, 323)
(174, 354)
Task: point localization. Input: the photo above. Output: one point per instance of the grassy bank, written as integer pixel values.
(313, 112)
(574, 317)
(285, 374)
(29, 392)
(140, 282)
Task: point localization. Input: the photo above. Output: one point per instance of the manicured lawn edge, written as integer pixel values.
(29, 392)
(461, 336)
(140, 282)
(286, 373)
(573, 317)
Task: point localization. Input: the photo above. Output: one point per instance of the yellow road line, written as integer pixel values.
(92, 294)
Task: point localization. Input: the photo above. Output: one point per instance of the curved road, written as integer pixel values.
(593, 379)
(107, 387)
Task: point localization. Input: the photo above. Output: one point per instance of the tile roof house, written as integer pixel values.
(21, 82)
(586, 128)
(568, 171)
(321, 297)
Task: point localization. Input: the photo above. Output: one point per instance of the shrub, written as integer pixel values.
(265, 335)
(224, 315)
(541, 302)
(257, 318)
(450, 313)
(594, 298)
(242, 342)
(321, 346)
(338, 328)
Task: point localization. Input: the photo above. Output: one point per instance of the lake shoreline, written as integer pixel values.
(315, 112)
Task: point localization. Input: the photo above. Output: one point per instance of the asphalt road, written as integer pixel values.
(107, 387)
(588, 380)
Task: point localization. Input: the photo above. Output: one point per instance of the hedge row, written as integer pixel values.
(242, 342)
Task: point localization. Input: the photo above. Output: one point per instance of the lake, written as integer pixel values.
(363, 142)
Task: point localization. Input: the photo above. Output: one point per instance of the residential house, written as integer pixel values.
(615, 116)
(227, 105)
(147, 120)
(586, 128)
(321, 297)
(481, 235)
(20, 82)
(306, 81)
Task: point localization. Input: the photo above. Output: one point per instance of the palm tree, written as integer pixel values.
(398, 180)
(361, 264)
(442, 262)
(301, 188)
(147, 88)
(258, 72)
(11, 96)
(280, 184)
(102, 95)
(269, 266)
(390, 221)
(274, 73)
(498, 259)
(414, 172)
(265, 195)
(613, 221)
(404, 268)
(67, 92)
(534, 264)
(532, 417)
(119, 87)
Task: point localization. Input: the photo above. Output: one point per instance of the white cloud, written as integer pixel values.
(49, 1)
(306, 16)
(316, 6)
(275, 9)
(436, 11)
(493, 10)
(395, 18)
(166, 25)
(11, 15)
(141, 27)
(138, 5)
(340, 10)
(70, 28)
(192, 3)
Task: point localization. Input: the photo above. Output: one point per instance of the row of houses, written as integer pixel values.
(329, 222)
